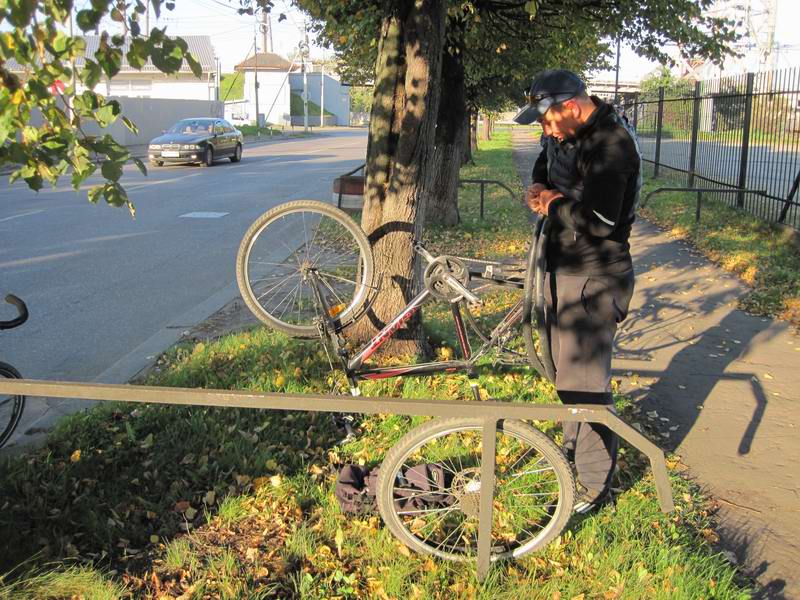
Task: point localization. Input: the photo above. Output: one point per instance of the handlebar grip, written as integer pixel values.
(21, 308)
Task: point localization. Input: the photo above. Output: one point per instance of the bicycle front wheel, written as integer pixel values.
(533, 494)
(281, 250)
(11, 406)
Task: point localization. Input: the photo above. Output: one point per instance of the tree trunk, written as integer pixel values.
(473, 132)
(466, 152)
(399, 157)
(442, 205)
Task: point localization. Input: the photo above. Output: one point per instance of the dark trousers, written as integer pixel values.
(582, 313)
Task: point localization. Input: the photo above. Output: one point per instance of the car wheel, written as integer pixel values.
(208, 157)
(237, 154)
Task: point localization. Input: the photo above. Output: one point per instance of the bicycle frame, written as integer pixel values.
(354, 366)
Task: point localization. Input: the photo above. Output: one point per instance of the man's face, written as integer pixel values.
(561, 120)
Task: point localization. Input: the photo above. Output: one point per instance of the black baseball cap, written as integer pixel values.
(548, 88)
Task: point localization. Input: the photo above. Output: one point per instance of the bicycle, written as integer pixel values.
(11, 407)
(325, 280)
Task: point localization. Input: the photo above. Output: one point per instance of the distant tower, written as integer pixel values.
(756, 21)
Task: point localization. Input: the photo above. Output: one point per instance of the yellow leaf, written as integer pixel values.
(298, 372)
(75, 456)
(276, 480)
(280, 381)
(18, 97)
(402, 549)
(154, 539)
(342, 39)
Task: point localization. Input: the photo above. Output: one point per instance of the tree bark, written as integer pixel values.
(399, 157)
(442, 205)
(466, 152)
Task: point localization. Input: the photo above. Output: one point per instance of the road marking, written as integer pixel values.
(32, 212)
(203, 215)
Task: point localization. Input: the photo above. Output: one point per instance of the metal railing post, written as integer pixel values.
(748, 114)
(695, 129)
(659, 123)
(699, 203)
(636, 110)
(487, 496)
(482, 192)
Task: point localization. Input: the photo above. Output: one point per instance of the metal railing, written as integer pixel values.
(741, 131)
(699, 192)
(490, 411)
(483, 183)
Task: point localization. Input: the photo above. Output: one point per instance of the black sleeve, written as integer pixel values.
(539, 174)
(610, 162)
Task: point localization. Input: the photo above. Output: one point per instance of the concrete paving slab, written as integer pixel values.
(722, 388)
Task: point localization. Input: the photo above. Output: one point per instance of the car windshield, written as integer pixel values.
(196, 126)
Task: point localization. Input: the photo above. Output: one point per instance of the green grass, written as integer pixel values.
(761, 254)
(296, 107)
(252, 130)
(234, 503)
(231, 86)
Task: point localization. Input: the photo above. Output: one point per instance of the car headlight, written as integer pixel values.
(155, 146)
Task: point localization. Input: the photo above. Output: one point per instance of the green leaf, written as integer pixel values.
(130, 125)
(141, 166)
(107, 114)
(111, 170)
(88, 19)
(197, 69)
(94, 193)
(91, 73)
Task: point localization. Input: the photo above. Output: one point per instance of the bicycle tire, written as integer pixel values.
(11, 407)
(533, 305)
(462, 488)
(341, 233)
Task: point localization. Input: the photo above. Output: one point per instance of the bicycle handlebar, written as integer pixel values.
(21, 308)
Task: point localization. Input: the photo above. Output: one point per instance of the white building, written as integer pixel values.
(149, 82)
(278, 79)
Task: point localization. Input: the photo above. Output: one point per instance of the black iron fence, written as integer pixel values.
(735, 132)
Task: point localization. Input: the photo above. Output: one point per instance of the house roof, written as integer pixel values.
(265, 61)
(199, 45)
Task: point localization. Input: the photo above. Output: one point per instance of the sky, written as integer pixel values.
(787, 36)
(232, 34)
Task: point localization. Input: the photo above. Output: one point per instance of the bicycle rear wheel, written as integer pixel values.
(533, 494)
(280, 251)
(11, 406)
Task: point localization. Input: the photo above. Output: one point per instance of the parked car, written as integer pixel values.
(200, 140)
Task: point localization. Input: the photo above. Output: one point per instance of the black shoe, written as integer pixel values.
(589, 501)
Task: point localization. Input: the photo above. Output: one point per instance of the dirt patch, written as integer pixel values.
(231, 318)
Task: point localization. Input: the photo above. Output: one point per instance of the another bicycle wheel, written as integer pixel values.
(10, 406)
(533, 322)
(281, 250)
(533, 495)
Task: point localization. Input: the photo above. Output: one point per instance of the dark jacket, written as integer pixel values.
(598, 171)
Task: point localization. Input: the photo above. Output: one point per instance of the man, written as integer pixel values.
(586, 181)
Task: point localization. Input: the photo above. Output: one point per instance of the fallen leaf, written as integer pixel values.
(75, 456)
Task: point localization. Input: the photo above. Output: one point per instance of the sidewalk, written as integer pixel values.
(721, 387)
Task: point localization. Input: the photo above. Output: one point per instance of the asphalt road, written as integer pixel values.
(106, 292)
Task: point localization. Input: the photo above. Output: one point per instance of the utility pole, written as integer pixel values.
(147, 18)
(322, 94)
(255, 76)
(616, 77)
(305, 78)
(266, 32)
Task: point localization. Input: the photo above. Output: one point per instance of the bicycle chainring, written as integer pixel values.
(435, 281)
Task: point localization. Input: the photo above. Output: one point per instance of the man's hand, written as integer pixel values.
(533, 194)
(541, 203)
